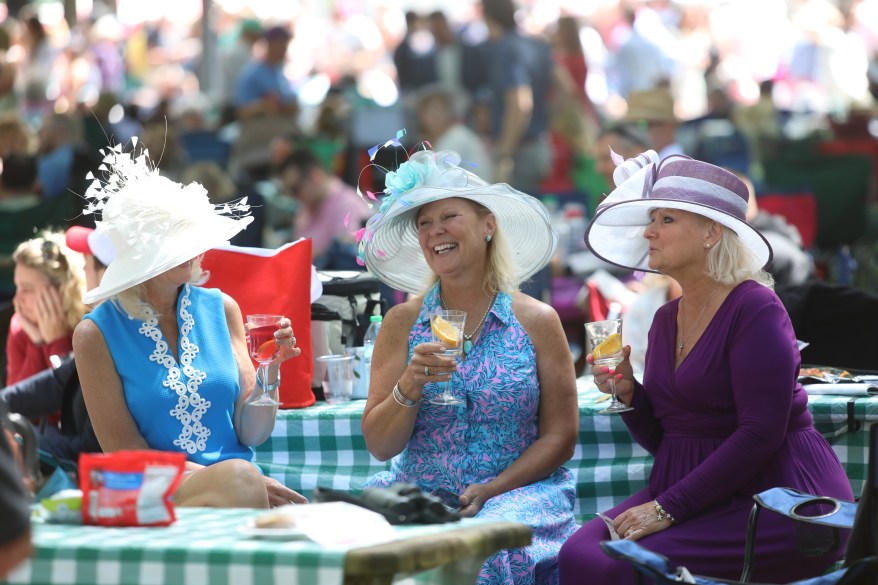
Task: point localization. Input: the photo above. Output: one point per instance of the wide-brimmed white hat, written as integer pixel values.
(644, 183)
(154, 223)
(389, 242)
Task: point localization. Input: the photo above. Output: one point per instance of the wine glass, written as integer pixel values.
(605, 342)
(263, 348)
(447, 328)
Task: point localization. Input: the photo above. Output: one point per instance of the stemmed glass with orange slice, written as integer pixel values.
(605, 341)
(263, 348)
(447, 328)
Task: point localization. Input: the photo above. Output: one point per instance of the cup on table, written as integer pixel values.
(338, 377)
(361, 372)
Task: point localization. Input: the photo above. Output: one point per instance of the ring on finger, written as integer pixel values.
(427, 371)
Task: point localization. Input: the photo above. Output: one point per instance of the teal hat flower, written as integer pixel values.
(389, 247)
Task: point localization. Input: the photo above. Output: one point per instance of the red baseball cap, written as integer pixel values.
(87, 241)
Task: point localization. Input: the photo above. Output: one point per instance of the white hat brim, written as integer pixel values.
(127, 271)
(394, 254)
(615, 234)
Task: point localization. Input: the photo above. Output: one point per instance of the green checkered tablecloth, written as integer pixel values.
(319, 445)
(608, 464)
(845, 422)
(324, 445)
(206, 545)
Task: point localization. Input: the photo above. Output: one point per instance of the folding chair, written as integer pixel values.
(655, 566)
(861, 558)
(861, 517)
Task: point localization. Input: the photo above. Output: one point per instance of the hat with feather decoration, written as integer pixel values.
(155, 223)
(389, 243)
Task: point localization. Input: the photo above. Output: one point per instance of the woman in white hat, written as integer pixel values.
(719, 406)
(163, 363)
(456, 242)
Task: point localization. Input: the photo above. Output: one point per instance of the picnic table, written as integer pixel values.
(324, 445)
(209, 545)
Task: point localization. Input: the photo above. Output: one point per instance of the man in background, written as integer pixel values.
(655, 108)
(329, 210)
(519, 76)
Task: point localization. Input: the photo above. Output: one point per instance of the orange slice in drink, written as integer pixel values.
(445, 332)
(266, 350)
(612, 345)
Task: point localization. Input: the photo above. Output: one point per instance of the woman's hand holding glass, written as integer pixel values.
(623, 373)
(271, 342)
(427, 365)
(286, 342)
(447, 329)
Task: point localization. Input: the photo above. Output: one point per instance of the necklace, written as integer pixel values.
(684, 338)
(468, 339)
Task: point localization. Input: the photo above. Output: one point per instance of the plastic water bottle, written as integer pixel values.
(368, 345)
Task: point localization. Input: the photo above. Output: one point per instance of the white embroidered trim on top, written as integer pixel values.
(187, 394)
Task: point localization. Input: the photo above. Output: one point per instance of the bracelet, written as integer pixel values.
(269, 387)
(661, 513)
(401, 398)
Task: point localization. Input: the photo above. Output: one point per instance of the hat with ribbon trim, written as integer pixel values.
(644, 183)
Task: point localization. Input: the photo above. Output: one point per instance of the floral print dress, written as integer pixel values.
(454, 446)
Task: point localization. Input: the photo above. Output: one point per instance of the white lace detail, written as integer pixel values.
(187, 394)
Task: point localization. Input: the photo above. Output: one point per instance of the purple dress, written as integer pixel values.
(454, 446)
(731, 422)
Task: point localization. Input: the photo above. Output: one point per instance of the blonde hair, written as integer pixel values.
(500, 271)
(48, 253)
(132, 301)
(729, 262)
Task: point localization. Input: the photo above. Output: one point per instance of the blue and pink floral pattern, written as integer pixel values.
(454, 446)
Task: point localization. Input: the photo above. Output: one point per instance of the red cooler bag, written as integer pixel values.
(272, 281)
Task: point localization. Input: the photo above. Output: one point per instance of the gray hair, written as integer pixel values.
(729, 262)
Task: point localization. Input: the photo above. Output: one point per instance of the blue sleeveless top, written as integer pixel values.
(189, 406)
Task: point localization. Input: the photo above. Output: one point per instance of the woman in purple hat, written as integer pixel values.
(719, 405)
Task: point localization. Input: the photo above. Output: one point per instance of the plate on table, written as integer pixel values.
(253, 529)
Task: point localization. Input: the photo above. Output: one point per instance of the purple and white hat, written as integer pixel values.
(645, 183)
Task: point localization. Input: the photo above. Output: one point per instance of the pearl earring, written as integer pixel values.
(707, 246)
(488, 238)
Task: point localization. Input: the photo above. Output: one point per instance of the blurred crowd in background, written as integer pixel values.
(281, 102)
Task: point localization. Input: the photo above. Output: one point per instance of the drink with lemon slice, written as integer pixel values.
(447, 328)
(605, 341)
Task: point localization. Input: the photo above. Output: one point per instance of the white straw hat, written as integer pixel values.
(644, 183)
(389, 242)
(155, 223)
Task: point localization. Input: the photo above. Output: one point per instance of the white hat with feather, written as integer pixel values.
(155, 223)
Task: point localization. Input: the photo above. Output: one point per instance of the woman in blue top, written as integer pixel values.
(457, 242)
(164, 363)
